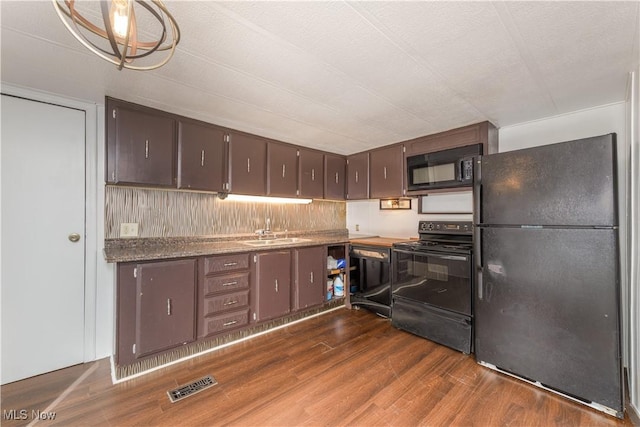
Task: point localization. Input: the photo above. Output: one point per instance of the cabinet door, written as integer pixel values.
(386, 170)
(165, 305)
(201, 157)
(310, 266)
(282, 170)
(311, 178)
(334, 177)
(142, 147)
(358, 176)
(272, 284)
(247, 164)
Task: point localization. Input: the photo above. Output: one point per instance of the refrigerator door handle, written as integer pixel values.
(480, 288)
(477, 191)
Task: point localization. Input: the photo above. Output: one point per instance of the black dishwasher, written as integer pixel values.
(370, 278)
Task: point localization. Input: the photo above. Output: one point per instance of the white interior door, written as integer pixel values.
(43, 205)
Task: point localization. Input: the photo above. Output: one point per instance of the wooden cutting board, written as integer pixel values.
(386, 242)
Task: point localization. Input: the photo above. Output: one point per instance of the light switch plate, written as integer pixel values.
(129, 229)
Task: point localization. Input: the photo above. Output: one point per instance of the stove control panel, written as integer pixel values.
(452, 227)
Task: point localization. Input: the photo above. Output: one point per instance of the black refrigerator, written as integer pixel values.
(547, 290)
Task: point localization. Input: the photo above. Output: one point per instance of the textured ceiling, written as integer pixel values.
(349, 76)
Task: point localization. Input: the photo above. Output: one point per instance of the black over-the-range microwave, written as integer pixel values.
(442, 169)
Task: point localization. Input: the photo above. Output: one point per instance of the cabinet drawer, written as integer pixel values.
(226, 263)
(227, 282)
(225, 302)
(223, 322)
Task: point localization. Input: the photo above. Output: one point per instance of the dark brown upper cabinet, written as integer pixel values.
(483, 133)
(334, 177)
(311, 174)
(282, 170)
(386, 170)
(358, 176)
(247, 164)
(201, 156)
(141, 145)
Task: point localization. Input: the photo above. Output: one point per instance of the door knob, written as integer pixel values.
(74, 237)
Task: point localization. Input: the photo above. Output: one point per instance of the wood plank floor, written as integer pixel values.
(346, 367)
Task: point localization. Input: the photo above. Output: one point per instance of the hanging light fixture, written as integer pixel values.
(115, 34)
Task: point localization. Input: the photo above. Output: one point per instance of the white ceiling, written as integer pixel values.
(349, 76)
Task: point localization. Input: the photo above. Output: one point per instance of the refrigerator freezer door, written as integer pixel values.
(570, 183)
(548, 309)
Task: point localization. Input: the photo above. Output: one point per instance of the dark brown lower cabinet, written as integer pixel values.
(309, 277)
(271, 284)
(223, 301)
(156, 307)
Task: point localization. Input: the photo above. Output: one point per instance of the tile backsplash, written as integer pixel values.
(167, 213)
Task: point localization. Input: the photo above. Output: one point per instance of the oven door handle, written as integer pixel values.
(435, 255)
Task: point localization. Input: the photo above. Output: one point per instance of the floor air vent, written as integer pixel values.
(191, 388)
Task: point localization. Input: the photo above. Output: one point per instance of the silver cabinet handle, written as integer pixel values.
(202, 158)
(233, 322)
(146, 149)
(230, 264)
(231, 302)
(74, 237)
(311, 277)
(283, 169)
(336, 177)
(230, 283)
(168, 306)
(385, 172)
(356, 177)
(313, 174)
(248, 164)
(276, 285)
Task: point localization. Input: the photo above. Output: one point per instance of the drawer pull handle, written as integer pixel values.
(231, 302)
(248, 164)
(356, 177)
(284, 170)
(313, 174)
(276, 285)
(202, 158)
(385, 172)
(230, 264)
(146, 149)
(311, 278)
(233, 322)
(230, 283)
(168, 306)
(336, 177)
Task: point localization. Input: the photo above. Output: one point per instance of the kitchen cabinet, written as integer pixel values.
(282, 170)
(201, 156)
(223, 300)
(334, 177)
(483, 133)
(156, 307)
(247, 164)
(309, 277)
(271, 284)
(358, 176)
(386, 171)
(140, 145)
(311, 174)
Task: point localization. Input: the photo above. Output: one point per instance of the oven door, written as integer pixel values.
(438, 279)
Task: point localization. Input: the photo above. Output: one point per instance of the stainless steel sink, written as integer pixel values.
(275, 242)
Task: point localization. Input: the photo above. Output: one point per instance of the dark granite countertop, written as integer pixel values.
(125, 250)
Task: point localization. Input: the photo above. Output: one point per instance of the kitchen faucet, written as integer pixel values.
(266, 232)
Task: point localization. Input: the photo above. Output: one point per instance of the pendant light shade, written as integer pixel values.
(123, 31)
